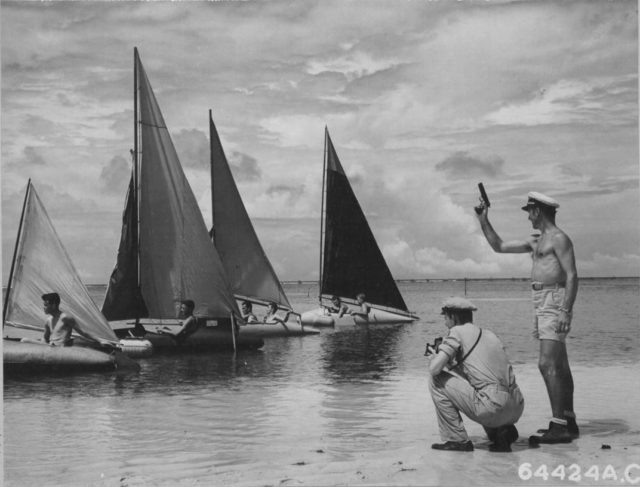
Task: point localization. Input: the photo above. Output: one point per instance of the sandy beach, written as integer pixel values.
(607, 416)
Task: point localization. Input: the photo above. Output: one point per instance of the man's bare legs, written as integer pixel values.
(554, 367)
(555, 370)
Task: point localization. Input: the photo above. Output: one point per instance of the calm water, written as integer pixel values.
(336, 394)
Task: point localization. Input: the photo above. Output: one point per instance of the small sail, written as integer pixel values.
(42, 265)
(175, 255)
(246, 263)
(123, 300)
(352, 261)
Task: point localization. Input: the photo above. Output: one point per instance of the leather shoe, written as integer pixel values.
(454, 446)
(557, 433)
(572, 427)
(504, 437)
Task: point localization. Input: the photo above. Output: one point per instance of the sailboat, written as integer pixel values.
(350, 259)
(165, 254)
(250, 272)
(41, 265)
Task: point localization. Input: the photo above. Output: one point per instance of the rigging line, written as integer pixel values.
(153, 125)
(136, 183)
(15, 253)
(211, 168)
(322, 198)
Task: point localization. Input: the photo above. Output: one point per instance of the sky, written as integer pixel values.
(422, 100)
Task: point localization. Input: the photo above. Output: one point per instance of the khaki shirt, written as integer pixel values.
(487, 365)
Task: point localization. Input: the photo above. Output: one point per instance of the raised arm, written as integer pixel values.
(497, 244)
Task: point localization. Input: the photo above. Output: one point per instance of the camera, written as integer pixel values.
(432, 348)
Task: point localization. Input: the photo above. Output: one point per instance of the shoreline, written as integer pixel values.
(419, 465)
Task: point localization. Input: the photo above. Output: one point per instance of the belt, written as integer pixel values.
(539, 286)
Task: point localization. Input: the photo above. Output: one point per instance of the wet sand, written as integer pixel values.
(606, 401)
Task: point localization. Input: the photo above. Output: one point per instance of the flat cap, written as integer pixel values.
(457, 303)
(537, 199)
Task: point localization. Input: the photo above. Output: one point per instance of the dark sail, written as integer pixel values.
(249, 270)
(123, 294)
(352, 261)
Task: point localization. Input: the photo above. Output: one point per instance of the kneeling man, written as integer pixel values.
(470, 373)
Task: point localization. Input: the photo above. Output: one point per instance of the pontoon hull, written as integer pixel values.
(21, 357)
(209, 337)
(320, 317)
(269, 330)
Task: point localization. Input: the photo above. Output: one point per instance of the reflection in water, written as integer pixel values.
(358, 362)
(361, 352)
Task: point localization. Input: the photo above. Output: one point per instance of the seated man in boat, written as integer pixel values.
(247, 313)
(470, 373)
(59, 325)
(272, 317)
(189, 325)
(337, 306)
(363, 312)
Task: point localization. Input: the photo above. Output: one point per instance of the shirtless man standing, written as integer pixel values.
(554, 288)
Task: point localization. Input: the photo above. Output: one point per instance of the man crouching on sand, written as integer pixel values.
(470, 372)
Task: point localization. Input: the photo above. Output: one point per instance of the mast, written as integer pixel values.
(324, 177)
(212, 233)
(15, 252)
(136, 181)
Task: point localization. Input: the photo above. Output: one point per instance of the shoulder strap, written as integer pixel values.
(471, 349)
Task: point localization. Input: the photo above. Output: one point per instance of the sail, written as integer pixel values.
(123, 299)
(42, 265)
(246, 263)
(352, 261)
(175, 255)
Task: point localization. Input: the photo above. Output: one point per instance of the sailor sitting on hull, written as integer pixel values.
(337, 307)
(247, 313)
(189, 325)
(363, 311)
(59, 325)
(272, 317)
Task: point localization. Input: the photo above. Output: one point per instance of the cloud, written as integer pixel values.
(115, 175)
(32, 157)
(621, 265)
(192, 146)
(244, 167)
(521, 95)
(290, 193)
(353, 64)
(38, 125)
(462, 165)
(571, 101)
(435, 262)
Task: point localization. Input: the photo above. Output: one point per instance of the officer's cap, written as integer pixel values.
(457, 304)
(537, 199)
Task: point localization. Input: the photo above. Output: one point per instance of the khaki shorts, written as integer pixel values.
(546, 304)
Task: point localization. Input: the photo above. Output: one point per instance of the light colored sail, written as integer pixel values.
(42, 265)
(177, 260)
(246, 263)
